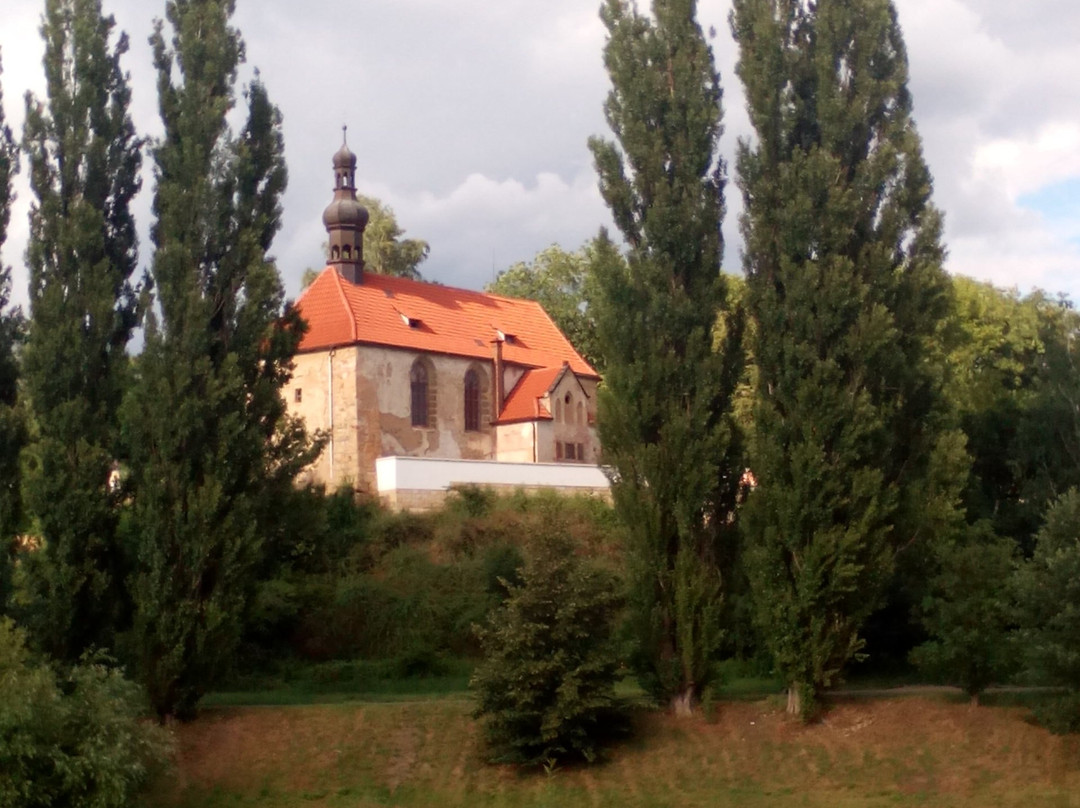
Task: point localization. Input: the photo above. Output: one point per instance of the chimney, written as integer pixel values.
(500, 392)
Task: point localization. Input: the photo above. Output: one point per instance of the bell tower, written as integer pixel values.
(345, 218)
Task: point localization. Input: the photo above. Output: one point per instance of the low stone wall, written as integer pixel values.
(423, 483)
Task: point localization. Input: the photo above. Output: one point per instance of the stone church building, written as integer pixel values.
(396, 368)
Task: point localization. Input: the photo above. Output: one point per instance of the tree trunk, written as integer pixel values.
(684, 703)
(794, 700)
(974, 699)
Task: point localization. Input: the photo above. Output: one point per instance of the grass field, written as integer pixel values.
(423, 752)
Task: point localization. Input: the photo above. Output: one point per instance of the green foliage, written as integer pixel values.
(1046, 450)
(558, 281)
(84, 171)
(846, 290)
(406, 603)
(1048, 588)
(385, 251)
(969, 613)
(12, 422)
(1011, 381)
(73, 740)
(1059, 715)
(545, 687)
(666, 408)
(212, 452)
(369, 584)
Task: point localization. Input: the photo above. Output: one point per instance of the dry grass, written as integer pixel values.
(916, 751)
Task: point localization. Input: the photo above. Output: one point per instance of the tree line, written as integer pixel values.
(843, 454)
(140, 495)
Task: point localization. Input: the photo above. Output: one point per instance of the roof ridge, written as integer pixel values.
(345, 302)
(551, 320)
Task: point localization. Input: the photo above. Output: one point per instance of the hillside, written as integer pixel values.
(901, 751)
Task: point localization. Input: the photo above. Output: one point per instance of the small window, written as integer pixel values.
(569, 451)
(298, 395)
(558, 410)
(558, 450)
(472, 401)
(418, 381)
(580, 419)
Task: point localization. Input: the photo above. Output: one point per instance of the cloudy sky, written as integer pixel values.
(470, 119)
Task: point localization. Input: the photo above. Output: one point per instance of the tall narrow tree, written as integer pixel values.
(666, 407)
(12, 424)
(84, 171)
(204, 420)
(843, 262)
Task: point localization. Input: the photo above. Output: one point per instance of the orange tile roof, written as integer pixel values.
(401, 313)
(523, 402)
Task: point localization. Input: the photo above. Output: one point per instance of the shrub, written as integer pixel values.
(968, 615)
(546, 683)
(73, 740)
(1048, 587)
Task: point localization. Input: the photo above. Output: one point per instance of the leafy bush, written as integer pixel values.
(968, 614)
(546, 684)
(357, 582)
(1048, 587)
(1059, 715)
(74, 740)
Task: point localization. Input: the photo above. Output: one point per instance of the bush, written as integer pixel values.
(968, 614)
(75, 740)
(546, 683)
(1059, 715)
(1048, 587)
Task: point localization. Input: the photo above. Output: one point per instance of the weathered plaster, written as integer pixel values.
(371, 397)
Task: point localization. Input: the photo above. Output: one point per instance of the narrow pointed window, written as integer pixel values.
(472, 401)
(418, 379)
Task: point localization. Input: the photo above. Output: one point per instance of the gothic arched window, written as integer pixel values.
(472, 401)
(418, 380)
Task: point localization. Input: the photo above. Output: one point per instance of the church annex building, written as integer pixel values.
(420, 387)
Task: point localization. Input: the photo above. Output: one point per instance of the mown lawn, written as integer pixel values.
(866, 752)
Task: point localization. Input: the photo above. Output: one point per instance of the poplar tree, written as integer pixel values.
(12, 425)
(666, 406)
(205, 421)
(84, 159)
(843, 262)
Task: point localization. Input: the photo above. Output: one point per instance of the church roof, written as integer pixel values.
(402, 313)
(523, 402)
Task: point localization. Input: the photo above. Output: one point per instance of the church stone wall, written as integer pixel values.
(372, 418)
(371, 400)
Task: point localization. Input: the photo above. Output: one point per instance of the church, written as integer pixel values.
(439, 385)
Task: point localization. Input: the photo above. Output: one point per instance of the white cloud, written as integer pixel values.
(471, 120)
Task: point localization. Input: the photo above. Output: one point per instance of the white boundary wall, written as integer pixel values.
(439, 474)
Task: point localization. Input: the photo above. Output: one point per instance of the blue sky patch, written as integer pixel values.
(1059, 202)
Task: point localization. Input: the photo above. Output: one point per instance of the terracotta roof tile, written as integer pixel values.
(402, 313)
(523, 402)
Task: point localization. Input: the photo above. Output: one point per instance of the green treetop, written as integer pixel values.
(666, 407)
(84, 171)
(843, 262)
(558, 281)
(209, 440)
(385, 251)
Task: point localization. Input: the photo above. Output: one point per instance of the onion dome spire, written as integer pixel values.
(345, 218)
